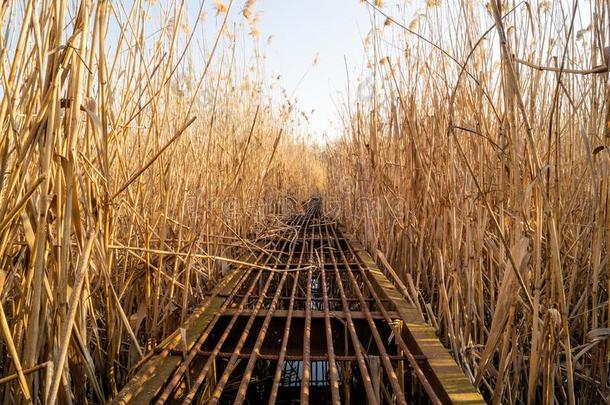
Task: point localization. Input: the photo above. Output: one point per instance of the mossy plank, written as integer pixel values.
(154, 373)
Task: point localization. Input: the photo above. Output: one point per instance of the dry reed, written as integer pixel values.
(476, 159)
(132, 165)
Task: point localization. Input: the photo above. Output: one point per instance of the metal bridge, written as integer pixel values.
(309, 318)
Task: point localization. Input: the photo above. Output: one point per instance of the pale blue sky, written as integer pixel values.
(301, 30)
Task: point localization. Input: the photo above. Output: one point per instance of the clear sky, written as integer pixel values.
(305, 30)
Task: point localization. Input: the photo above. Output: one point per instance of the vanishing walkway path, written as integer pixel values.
(312, 318)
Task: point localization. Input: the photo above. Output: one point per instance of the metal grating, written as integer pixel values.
(310, 319)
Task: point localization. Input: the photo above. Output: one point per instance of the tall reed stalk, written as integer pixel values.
(136, 151)
(476, 159)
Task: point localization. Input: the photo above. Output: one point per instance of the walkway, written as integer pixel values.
(311, 318)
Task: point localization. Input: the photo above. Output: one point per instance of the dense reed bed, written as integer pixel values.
(137, 148)
(475, 158)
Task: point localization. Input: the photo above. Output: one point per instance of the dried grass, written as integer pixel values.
(476, 159)
(129, 175)
(474, 164)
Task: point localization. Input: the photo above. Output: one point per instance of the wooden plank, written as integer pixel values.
(145, 385)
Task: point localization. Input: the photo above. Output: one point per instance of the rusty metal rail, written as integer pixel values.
(313, 320)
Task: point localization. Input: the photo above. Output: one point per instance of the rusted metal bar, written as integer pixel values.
(300, 299)
(334, 374)
(282, 355)
(307, 338)
(184, 366)
(387, 364)
(254, 354)
(366, 379)
(202, 374)
(432, 395)
(293, 357)
(298, 313)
